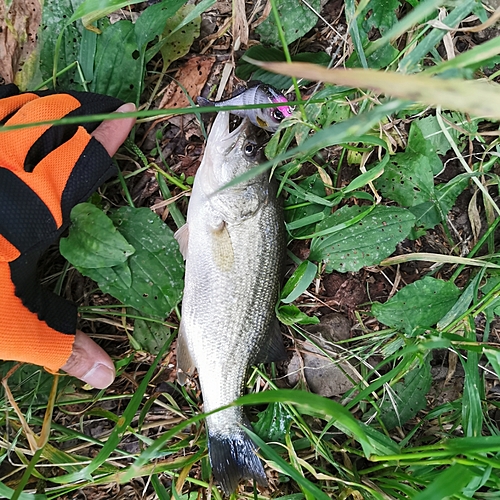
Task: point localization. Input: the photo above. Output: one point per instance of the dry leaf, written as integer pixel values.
(19, 23)
(240, 23)
(192, 76)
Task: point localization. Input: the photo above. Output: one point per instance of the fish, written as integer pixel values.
(266, 118)
(233, 243)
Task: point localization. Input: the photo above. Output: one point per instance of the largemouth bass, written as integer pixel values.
(266, 118)
(233, 243)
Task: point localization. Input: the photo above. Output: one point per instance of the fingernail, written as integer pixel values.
(99, 376)
(128, 107)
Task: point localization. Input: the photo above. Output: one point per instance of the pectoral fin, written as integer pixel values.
(182, 237)
(222, 248)
(272, 349)
(185, 363)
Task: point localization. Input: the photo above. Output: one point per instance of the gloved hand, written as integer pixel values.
(45, 171)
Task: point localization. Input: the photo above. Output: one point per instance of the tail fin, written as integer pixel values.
(234, 458)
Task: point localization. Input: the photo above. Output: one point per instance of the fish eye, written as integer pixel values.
(250, 149)
(278, 115)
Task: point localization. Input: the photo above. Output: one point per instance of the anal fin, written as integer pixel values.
(273, 348)
(185, 363)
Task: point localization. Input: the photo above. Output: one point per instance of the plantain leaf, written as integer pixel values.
(52, 14)
(417, 306)
(296, 19)
(357, 240)
(93, 241)
(150, 335)
(118, 70)
(150, 280)
(179, 41)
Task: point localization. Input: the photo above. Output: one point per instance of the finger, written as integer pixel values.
(112, 133)
(90, 363)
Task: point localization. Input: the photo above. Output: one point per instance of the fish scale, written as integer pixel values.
(233, 243)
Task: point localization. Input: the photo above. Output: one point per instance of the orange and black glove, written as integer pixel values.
(44, 172)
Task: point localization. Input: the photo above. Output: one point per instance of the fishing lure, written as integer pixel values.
(266, 118)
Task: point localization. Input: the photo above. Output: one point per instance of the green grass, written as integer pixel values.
(360, 174)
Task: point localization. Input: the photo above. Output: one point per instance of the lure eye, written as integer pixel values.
(278, 115)
(250, 149)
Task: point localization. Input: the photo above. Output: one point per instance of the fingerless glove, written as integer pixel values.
(44, 171)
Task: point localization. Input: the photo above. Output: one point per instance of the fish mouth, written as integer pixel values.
(221, 136)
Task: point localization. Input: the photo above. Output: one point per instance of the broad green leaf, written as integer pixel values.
(292, 315)
(298, 283)
(157, 266)
(153, 20)
(477, 98)
(382, 15)
(179, 42)
(419, 305)
(93, 240)
(110, 279)
(296, 19)
(273, 423)
(363, 242)
(151, 279)
(118, 69)
(418, 145)
(431, 131)
(407, 180)
(430, 213)
(407, 397)
(53, 12)
(150, 335)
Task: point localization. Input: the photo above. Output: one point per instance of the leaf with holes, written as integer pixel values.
(151, 280)
(118, 67)
(53, 14)
(417, 306)
(379, 14)
(180, 41)
(407, 180)
(296, 19)
(406, 398)
(356, 240)
(150, 335)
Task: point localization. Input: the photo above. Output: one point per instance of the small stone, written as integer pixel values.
(323, 376)
(332, 327)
